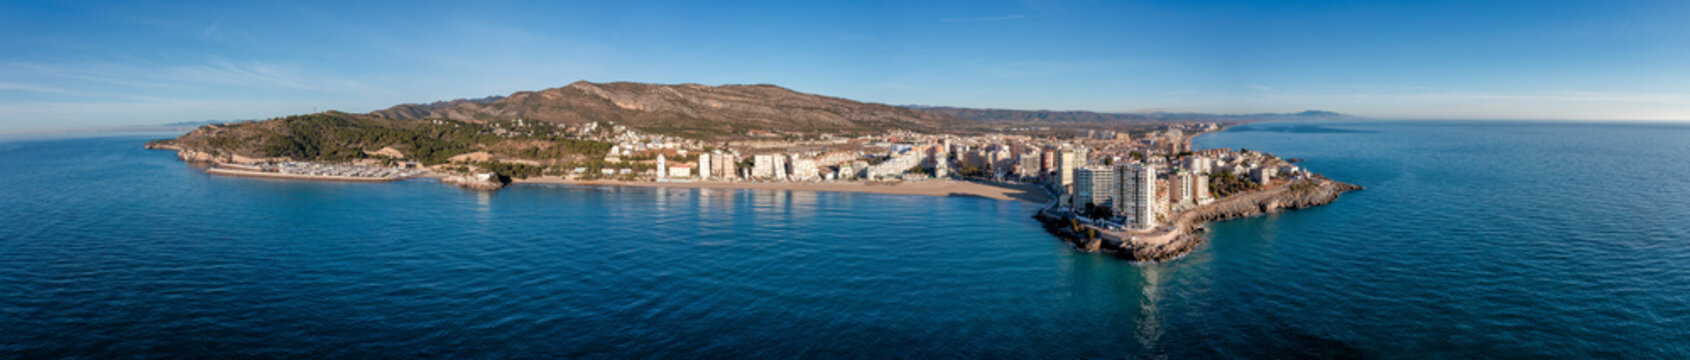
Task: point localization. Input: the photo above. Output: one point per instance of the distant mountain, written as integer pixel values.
(1053, 117)
(194, 123)
(690, 110)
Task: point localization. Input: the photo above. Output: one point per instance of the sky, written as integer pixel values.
(90, 64)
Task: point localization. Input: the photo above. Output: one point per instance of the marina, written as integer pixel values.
(301, 170)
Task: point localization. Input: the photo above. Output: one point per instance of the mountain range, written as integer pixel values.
(688, 110)
(713, 113)
(701, 111)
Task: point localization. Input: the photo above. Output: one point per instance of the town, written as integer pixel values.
(1138, 190)
(1115, 180)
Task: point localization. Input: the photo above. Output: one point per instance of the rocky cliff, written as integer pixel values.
(484, 181)
(1188, 228)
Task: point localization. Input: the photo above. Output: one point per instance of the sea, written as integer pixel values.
(1472, 239)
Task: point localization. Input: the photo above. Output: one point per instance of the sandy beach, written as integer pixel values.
(999, 191)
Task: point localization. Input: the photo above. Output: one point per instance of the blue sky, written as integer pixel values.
(93, 64)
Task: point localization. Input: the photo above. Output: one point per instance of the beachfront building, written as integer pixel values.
(764, 166)
(662, 169)
(1096, 185)
(782, 169)
(680, 172)
(1070, 159)
(725, 165)
(1138, 194)
(704, 166)
(1027, 166)
(896, 165)
(805, 169)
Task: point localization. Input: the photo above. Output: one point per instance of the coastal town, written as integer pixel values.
(1141, 193)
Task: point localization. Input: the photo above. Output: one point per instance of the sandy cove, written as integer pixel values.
(989, 190)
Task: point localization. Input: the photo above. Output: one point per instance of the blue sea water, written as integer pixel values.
(1472, 240)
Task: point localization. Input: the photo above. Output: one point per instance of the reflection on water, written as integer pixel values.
(483, 206)
(801, 204)
(1149, 320)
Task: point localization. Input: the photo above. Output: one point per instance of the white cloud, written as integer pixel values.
(32, 88)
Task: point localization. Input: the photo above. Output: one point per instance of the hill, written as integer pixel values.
(687, 110)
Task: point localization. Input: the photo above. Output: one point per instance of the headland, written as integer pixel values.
(1126, 183)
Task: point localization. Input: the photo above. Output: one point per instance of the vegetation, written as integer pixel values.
(1224, 183)
(514, 170)
(335, 137)
(973, 171)
(1103, 213)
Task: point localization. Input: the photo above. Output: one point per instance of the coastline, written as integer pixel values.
(221, 170)
(989, 190)
(1186, 231)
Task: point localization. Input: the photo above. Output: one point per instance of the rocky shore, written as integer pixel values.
(483, 181)
(1187, 230)
(193, 155)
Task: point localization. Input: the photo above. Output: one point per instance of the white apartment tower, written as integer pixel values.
(1071, 159)
(1138, 194)
(704, 166)
(662, 167)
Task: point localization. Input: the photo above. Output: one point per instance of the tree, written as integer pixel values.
(1103, 212)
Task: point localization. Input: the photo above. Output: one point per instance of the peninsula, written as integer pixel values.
(1125, 183)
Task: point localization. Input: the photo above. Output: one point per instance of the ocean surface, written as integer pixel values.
(1472, 240)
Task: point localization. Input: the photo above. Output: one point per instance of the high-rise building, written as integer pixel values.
(763, 166)
(1048, 161)
(1137, 197)
(805, 169)
(1198, 164)
(781, 167)
(1096, 185)
(1027, 165)
(1200, 188)
(1071, 159)
(662, 168)
(1181, 189)
(1065, 171)
(704, 166)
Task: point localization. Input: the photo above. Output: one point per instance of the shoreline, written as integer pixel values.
(1186, 231)
(958, 188)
